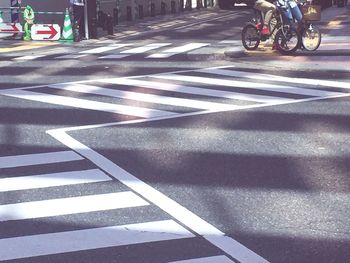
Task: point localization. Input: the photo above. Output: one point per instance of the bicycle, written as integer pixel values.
(286, 38)
(310, 33)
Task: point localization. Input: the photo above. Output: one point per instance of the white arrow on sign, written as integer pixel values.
(46, 32)
(9, 29)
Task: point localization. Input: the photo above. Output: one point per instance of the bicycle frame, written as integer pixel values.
(259, 22)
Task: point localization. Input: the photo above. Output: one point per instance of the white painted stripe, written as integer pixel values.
(214, 259)
(250, 75)
(144, 97)
(71, 205)
(53, 179)
(70, 241)
(186, 217)
(176, 50)
(71, 56)
(115, 56)
(236, 42)
(137, 50)
(38, 158)
(195, 90)
(249, 85)
(104, 49)
(85, 104)
(28, 57)
(146, 48)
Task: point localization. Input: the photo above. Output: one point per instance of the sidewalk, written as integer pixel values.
(162, 23)
(334, 21)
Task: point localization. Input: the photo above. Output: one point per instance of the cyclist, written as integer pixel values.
(290, 10)
(267, 8)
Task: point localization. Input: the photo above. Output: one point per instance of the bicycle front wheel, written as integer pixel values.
(250, 37)
(287, 40)
(311, 38)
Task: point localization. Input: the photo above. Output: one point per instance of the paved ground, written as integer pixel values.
(334, 25)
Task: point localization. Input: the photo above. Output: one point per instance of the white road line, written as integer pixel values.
(137, 50)
(53, 179)
(177, 50)
(145, 48)
(85, 104)
(38, 158)
(71, 56)
(179, 102)
(196, 90)
(250, 75)
(249, 85)
(236, 42)
(32, 57)
(70, 241)
(182, 214)
(104, 49)
(214, 259)
(114, 56)
(71, 205)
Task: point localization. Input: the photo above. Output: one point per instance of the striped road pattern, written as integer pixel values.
(162, 96)
(115, 51)
(34, 212)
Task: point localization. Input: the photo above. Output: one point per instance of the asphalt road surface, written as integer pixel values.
(174, 158)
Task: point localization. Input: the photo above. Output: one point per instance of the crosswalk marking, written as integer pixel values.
(71, 56)
(71, 205)
(143, 196)
(137, 50)
(235, 42)
(99, 50)
(206, 105)
(70, 241)
(29, 57)
(86, 104)
(269, 77)
(53, 179)
(38, 158)
(214, 259)
(196, 90)
(115, 56)
(176, 50)
(186, 217)
(145, 48)
(250, 85)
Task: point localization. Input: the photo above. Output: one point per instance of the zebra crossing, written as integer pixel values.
(115, 51)
(43, 242)
(172, 94)
(60, 222)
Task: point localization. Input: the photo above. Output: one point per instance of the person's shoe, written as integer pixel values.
(265, 31)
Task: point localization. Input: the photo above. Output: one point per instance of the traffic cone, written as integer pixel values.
(67, 32)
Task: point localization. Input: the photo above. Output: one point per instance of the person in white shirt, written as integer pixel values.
(78, 16)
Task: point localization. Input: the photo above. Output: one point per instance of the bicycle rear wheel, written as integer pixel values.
(311, 38)
(250, 37)
(287, 40)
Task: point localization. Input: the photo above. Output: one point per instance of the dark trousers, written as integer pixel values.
(78, 14)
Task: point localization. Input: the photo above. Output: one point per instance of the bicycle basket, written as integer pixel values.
(311, 12)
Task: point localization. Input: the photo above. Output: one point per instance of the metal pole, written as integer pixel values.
(86, 24)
